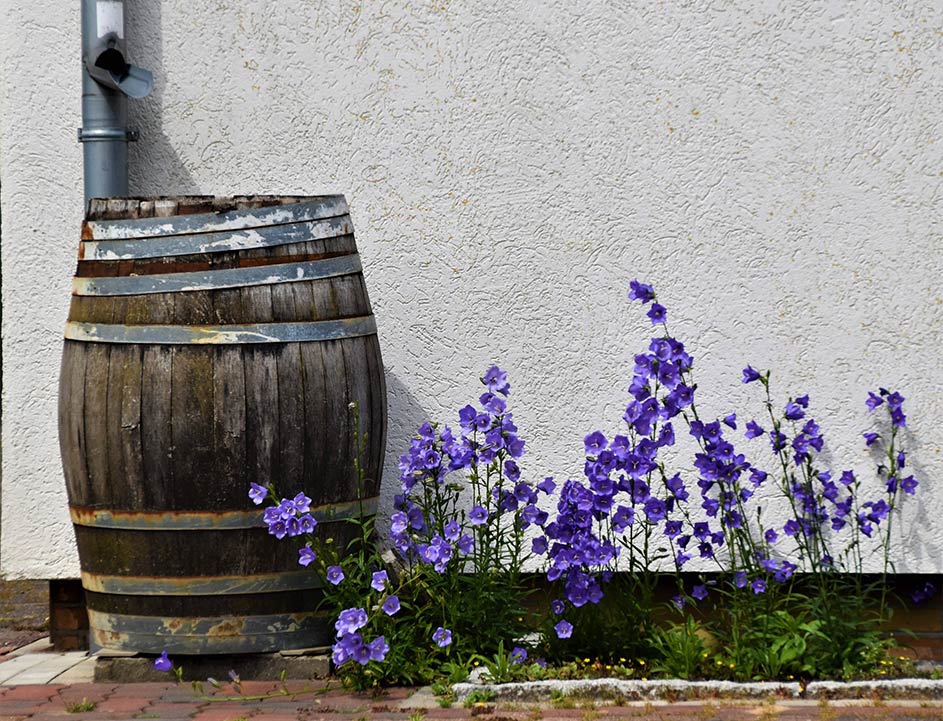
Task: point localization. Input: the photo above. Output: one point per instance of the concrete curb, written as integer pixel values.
(677, 690)
(611, 688)
(891, 688)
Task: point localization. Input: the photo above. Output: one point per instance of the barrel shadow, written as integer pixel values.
(404, 415)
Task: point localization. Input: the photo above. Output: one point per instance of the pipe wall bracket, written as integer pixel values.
(91, 135)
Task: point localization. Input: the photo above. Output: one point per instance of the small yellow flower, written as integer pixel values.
(621, 660)
(732, 665)
(644, 679)
(641, 662)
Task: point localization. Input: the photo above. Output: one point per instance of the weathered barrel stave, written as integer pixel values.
(153, 553)
(342, 297)
(228, 305)
(168, 423)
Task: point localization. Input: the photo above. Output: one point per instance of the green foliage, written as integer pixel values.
(456, 670)
(442, 689)
(679, 649)
(782, 646)
(558, 699)
(622, 625)
(464, 603)
(83, 706)
(499, 668)
(479, 696)
(810, 628)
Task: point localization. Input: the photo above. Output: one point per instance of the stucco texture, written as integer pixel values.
(775, 170)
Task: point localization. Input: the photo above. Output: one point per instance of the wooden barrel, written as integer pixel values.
(213, 342)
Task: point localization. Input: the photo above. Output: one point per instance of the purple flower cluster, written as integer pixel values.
(820, 504)
(619, 472)
(626, 485)
(291, 517)
(720, 472)
(350, 645)
(895, 403)
(486, 450)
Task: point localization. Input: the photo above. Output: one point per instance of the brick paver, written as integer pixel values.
(147, 689)
(29, 693)
(318, 700)
(91, 692)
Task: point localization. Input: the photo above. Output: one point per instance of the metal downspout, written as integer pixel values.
(108, 80)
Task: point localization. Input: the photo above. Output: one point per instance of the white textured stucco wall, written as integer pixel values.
(774, 169)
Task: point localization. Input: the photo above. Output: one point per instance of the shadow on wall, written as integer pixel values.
(919, 552)
(404, 416)
(155, 168)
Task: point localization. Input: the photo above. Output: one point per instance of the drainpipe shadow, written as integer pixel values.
(154, 166)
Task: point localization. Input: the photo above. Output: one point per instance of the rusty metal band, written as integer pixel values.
(200, 585)
(219, 634)
(217, 279)
(208, 520)
(222, 334)
(216, 242)
(325, 207)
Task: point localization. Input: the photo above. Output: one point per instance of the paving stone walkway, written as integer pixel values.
(45, 686)
(313, 701)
